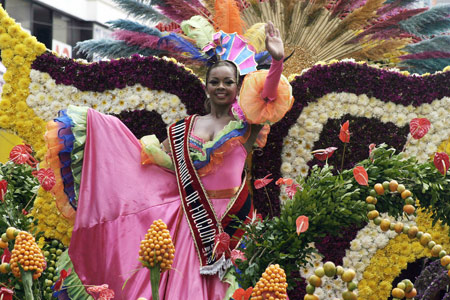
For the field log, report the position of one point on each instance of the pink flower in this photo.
(21, 154)
(260, 183)
(104, 293)
(324, 154)
(292, 189)
(222, 243)
(371, 147)
(418, 127)
(6, 256)
(286, 181)
(237, 254)
(441, 162)
(46, 178)
(6, 294)
(3, 189)
(344, 134)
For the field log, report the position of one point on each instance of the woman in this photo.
(120, 195)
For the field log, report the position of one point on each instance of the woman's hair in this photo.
(220, 63)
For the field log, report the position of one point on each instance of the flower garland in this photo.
(387, 263)
(19, 49)
(51, 223)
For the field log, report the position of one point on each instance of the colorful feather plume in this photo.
(422, 66)
(179, 44)
(427, 55)
(435, 44)
(428, 23)
(133, 26)
(107, 48)
(141, 10)
(392, 5)
(199, 29)
(377, 51)
(179, 10)
(390, 23)
(340, 6)
(142, 40)
(228, 17)
(256, 36)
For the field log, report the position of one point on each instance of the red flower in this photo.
(302, 223)
(6, 256)
(237, 254)
(59, 283)
(221, 243)
(3, 189)
(6, 294)
(441, 162)
(361, 175)
(240, 294)
(24, 212)
(291, 190)
(21, 154)
(260, 183)
(104, 293)
(324, 154)
(286, 181)
(46, 178)
(371, 147)
(344, 134)
(418, 127)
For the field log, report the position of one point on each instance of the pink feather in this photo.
(140, 39)
(427, 55)
(179, 10)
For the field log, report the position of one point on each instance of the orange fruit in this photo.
(425, 239)
(405, 194)
(379, 189)
(4, 268)
(315, 280)
(411, 294)
(409, 209)
(10, 233)
(398, 293)
(412, 232)
(373, 214)
(385, 224)
(347, 295)
(3, 244)
(401, 188)
(393, 185)
(348, 275)
(445, 260)
(371, 200)
(398, 227)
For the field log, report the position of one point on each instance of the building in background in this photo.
(60, 24)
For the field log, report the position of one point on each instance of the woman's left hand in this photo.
(274, 43)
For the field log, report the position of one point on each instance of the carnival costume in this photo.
(119, 185)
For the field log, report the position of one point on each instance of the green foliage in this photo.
(332, 202)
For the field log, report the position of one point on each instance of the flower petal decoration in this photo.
(418, 127)
(361, 175)
(6, 294)
(292, 189)
(441, 162)
(222, 243)
(262, 182)
(3, 189)
(46, 178)
(324, 154)
(237, 254)
(59, 283)
(6, 256)
(302, 223)
(21, 154)
(286, 181)
(241, 294)
(344, 134)
(104, 293)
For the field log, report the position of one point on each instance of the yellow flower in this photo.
(21, 106)
(21, 49)
(18, 60)
(7, 54)
(39, 48)
(30, 41)
(14, 29)
(5, 40)
(41, 242)
(5, 103)
(7, 88)
(447, 68)
(5, 121)
(7, 21)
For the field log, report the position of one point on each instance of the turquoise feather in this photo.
(112, 49)
(432, 21)
(134, 26)
(141, 10)
(439, 43)
(421, 66)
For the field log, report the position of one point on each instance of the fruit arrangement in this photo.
(157, 253)
(329, 269)
(272, 285)
(404, 289)
(52, 251)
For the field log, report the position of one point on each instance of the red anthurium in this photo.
(6, 256)
(324, 154)
(344, 134)
(361, 175)
(241, 294)
(46, 178)
(302, 223)
(237, 254)
(3, 189)
(221, 243)
(286, 181)
(260, 183)
(418, 127)
(6, 294)
(442, 162)
(104, 293)
(24, 212)
(21, 154)
(371, 147)
(59, 283)
(291, 190)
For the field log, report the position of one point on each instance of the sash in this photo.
(198, 210)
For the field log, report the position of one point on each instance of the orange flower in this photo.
(344, 134)
(286, 181)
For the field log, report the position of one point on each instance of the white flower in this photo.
(286, 167)
(31, 100)
(323, 118)
(306, 272)
(346, 262)
(368, 114)
(34, 87)
(378, 112)
(319, 293)
(151, 106)
(430, 148)
(116, 110)
(381, 241)
(401, 120)
(359, 267)
(363, 100)
(390, 107)
(41, 97)
(55, 106)
(294, 131)
(366, 241)
(174, 101)
(132, 101)
(385, 118)
(45, 77)
(355, 110)
(355, 245)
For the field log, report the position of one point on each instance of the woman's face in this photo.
(221, 85)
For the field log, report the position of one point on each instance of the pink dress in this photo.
(118, 201)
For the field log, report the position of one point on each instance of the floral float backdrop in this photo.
(150, 93)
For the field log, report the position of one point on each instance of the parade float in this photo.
(351, 189)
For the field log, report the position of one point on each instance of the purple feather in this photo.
(341, 6)
(140, 39)
(427, 55)
(179, 10)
